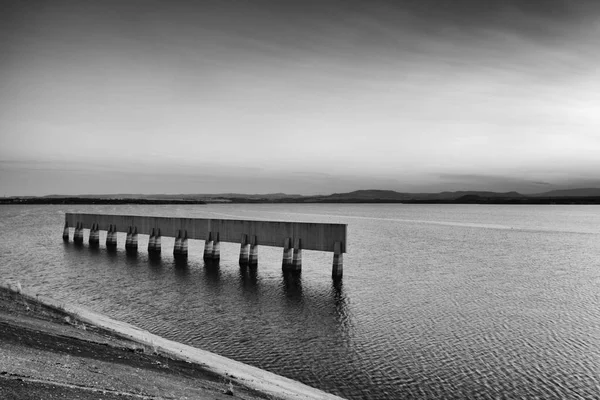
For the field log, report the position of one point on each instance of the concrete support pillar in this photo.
(180, 250)
(177, 245)
(216, 252)
(81, 232)
(76, 232)
(114, 236)
(66, 232)
(128, 239)
(152, 241)
(208, 247)
(297, 257)
(244, 250)
(253, 256)
(184, 245)
(78, 235)
(111, 237)
(94, 235)
(108, 236)
(338, 260)
(131, 241)
(134, 239)
(287, 254)
(157, 242)
(133, 244)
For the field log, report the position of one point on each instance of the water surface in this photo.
(437, 301)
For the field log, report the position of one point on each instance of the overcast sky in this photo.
(298, 96)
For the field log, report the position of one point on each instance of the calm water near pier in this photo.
(437, 301)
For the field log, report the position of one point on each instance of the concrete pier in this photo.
(152, 241)
(66, 232)
(155, 245)
(293, 236)
(216, 248)
(177, 245)
(180, 249)
(286, 264)
(297, 256)
(78, 235)
(338, 261)
(183, 253)
(157, 242)
(131, 243)
(108, 235)
(128, 238)
(253, 256)
(94, 239)
(111, 237)
(208, 247)
(244, 250)
(133, 246)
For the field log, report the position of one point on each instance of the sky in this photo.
(303, 97)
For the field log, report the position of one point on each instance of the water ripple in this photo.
(436, 302)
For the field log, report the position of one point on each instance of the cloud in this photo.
(383, 91)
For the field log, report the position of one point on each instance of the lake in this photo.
(437, 301)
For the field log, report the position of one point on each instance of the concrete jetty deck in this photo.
(293, 237)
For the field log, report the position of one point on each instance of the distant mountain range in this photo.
(357, 194)
(582, 195)
(390, 195)
(588, 192)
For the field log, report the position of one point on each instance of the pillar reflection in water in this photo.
(341, 304)
(249, 278)
(292, 285)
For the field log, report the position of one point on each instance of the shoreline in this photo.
(465, 200)
(20, 310)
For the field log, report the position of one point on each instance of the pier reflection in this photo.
(181, 268)
(340, 302)
(292, 285)
(131, 255)
(241, 312)
(212, 272)
(249, 278)
(155, 261)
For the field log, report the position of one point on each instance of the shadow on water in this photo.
(337, 286)
(341, 304)
(73, 246)
(212, 272)
(155, 262)
(249, 279)
(292, 285)
(133, 259)
(94, 250)
(181, 267)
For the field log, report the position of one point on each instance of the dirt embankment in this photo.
(47, 353)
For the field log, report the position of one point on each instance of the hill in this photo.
(584, 192)
(392, 196)
(568, 196)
